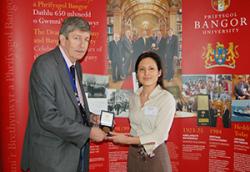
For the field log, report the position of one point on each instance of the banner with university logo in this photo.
(215, 58)
(215, 35)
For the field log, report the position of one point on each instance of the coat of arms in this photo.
(220, 5)
(220, 56)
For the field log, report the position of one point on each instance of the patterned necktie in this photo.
(83, 112)
(72, 71)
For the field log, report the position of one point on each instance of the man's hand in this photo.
(97, 135)
(95, 119)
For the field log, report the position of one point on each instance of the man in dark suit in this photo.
(160, 47)
(127, 51)
(141, 45)
(152, 39)
(213, 115)
(116, 58)
(172, 53)
(59, 125)
(226, 116)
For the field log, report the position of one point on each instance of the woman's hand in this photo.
(121, 138)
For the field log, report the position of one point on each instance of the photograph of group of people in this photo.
(125, 49)
(217, 89)
(118, 102)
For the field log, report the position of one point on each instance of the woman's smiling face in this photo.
(148, 72)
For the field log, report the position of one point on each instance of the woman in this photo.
(152, 110)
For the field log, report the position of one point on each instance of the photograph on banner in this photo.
(241, 110)
(95, 85)
(96, 105)
(135, 27)
(241, 98)
(206, 97)
(241, 85)
(118, 102)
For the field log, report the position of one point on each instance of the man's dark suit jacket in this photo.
(172, 48)
(116, 59)
(115, 51)
(55, 133)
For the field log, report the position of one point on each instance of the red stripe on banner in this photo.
(15, 67)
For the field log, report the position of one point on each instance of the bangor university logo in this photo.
(220, 5)
(220, 56)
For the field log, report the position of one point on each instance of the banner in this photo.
(29, 30)
(215, 51)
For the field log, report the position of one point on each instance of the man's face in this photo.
(75, 45)
(158, 33)
(241, 79)
(116, 37)
(170, 32)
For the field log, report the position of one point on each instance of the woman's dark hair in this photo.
(157, 59)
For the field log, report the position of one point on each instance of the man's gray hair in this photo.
(71, 24)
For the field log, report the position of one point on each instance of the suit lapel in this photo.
(64, 75)
(63, 72)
